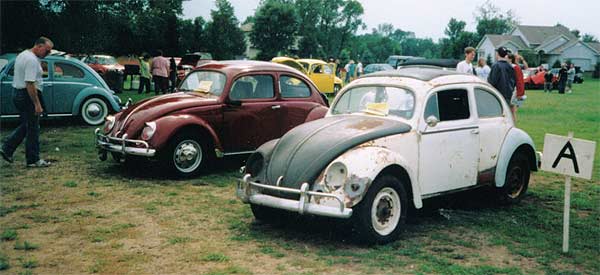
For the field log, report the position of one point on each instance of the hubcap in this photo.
(187, 156)
(386, 211)
(93, 110)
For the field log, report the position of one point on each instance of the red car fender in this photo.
(316, 113)
(168, 126)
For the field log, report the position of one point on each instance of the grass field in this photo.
(87, 216)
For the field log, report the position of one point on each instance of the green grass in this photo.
(127, 216)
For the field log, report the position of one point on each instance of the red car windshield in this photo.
(207, 82)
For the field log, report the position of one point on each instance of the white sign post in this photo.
(571, 157)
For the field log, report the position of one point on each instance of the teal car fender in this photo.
(361, 166)
(112, 100)
(516, 139)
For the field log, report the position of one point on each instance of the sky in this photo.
(429, 18)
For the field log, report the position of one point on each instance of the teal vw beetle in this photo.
(71, 88)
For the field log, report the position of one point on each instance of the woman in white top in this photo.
(482, 70)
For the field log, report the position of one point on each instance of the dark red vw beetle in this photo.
(221, 109)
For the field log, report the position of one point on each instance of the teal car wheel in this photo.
(93, 111)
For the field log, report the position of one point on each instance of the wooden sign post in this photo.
(570, 157)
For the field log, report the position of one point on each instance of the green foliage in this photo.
(531, 57)
(4, 265)
(589, 38)
(556, 64)
(493, 20)
(8, 235)
(215, 257)
(25, 246)
(458, 39)
(274, 29)
(226, 39)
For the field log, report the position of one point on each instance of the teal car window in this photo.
(67, 71)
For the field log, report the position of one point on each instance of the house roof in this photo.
(571, 43)
(499, 40)
(594, 45)
(537, 35)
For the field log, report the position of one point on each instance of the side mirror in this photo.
(432, 121)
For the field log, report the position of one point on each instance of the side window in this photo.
(67, 71)
(488, 105)
(292, 87)
(44, 64)
(252, 87)
(317, 69)
(448, 105)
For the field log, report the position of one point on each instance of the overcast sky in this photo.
(428, 18)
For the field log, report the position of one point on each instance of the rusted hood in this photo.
(302, 153)
(133, 118)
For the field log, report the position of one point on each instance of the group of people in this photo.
(161, 70)
(506, 75)
(352, 70)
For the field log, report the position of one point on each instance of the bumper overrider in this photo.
(250, 192)
(122, 145)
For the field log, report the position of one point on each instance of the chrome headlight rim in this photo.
(109, 124)
(148, 131)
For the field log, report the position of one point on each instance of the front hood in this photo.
(302, 153)
(134, 117)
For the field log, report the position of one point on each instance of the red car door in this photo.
(297, 101)
(252, 114)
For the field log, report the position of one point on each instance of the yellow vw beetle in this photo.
(320, 72)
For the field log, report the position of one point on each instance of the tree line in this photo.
(304, 28)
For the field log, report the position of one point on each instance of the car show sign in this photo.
(571, 157)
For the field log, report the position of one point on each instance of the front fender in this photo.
(168, 126)
(97, 92)
(364, 164)
(513, 140)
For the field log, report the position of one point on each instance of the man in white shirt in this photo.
(465, 66)
(27, 85)
(359, 69)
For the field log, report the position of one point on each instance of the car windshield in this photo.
(107, 60)
(376, 100)
(207, 82)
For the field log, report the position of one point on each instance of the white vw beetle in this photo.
(390, 140)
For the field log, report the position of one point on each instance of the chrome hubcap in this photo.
(94, 109)
(187, 156)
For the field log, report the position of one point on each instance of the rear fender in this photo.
(516, 139)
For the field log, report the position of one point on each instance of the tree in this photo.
(226, 38)
(458, 39)
(493, 20)
(589, 38)
(274, 29)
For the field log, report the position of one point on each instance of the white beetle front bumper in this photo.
(249, 192)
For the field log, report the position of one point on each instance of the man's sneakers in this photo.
(38, 164)
(6, 157)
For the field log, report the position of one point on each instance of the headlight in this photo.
(335, 176)
(109, 123)
(149, 130)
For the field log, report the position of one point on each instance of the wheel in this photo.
(517, 180)
(379, 217)
(336, 89)
(269, 215)
(93, 111)
(187, 154)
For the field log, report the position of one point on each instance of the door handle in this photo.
(475, 131)
(275, 107)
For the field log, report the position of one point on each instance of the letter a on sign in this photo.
(568, 156)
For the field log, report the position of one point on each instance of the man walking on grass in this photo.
(27, 84)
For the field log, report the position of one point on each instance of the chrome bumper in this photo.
(103, 143)
(249, 192)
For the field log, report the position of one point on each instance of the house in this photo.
(548, 43)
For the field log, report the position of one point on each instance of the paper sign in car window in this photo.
(379, 109)
(204, 86)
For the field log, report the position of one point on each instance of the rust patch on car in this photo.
(365, 124)
(355, 189)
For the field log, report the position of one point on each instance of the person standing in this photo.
(359, 69)
(144, 74)
(570, 78)
(548, 76)
(519, 86)
(160, 73)
(562, 78)
(466, 65)
(27, 85)
(482, 70)
(350, 71)
(502, 75)
(173, 73)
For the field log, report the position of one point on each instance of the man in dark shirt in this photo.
(502, 75)
(562, 78)
(548, 81)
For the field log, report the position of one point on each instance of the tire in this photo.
(517, 180)
(93, 111)
(269, 215)
(379, 217)
(187, 154)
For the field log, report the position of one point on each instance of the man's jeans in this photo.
(29, 128)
